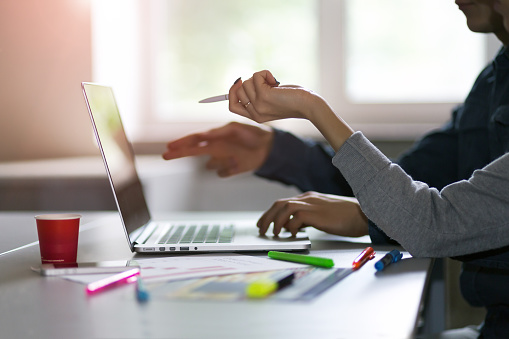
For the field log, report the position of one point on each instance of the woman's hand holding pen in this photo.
(256, 99)
(261, 99)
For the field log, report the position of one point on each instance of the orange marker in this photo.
(366, 255)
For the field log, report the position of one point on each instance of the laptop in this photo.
(145, 235)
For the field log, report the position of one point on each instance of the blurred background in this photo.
(392, 69)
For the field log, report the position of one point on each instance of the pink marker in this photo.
(123, 277)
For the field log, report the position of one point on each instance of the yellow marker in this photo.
(261, 288)
(264, 287)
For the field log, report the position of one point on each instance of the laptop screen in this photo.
(118, 157)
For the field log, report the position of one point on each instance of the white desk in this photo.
(364, 305)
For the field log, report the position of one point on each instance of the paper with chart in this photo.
(309, 283)
(203, 265)
(172, 268)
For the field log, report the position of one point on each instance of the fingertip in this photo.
(167, 155)
(233, 166)
(266, 77)
(261, 228)
(294, 233)
(232, 95)
(275, 83)
(223, 173)
(260, 231)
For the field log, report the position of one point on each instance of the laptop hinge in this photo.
(145, 233)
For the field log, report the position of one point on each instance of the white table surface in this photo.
(366, 304)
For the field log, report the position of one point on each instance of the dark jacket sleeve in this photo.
(305, 164)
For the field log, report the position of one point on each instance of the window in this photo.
(391, 68)
(402, 62)
(218, 41)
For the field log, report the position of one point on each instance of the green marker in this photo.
(303, 259)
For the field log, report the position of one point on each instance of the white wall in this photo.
(45, 53)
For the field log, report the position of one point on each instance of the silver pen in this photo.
(215, 99)
(225, 96)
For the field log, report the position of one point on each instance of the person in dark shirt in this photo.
(477, 133)
(467, 142)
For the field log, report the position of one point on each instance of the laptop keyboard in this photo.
(198, 234)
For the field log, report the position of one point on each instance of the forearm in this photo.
(465, 217)
(335, 130)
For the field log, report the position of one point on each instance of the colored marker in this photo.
(365, 255)
(391, 257)
(123, 277)
(141, 292)
(301, 258)
(264, 287)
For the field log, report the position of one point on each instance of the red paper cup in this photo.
(58, 237)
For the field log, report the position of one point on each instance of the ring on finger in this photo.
(248, 103)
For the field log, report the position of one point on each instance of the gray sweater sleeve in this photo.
(463, 218)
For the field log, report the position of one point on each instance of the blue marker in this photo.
(389, 258)
(141, 292)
